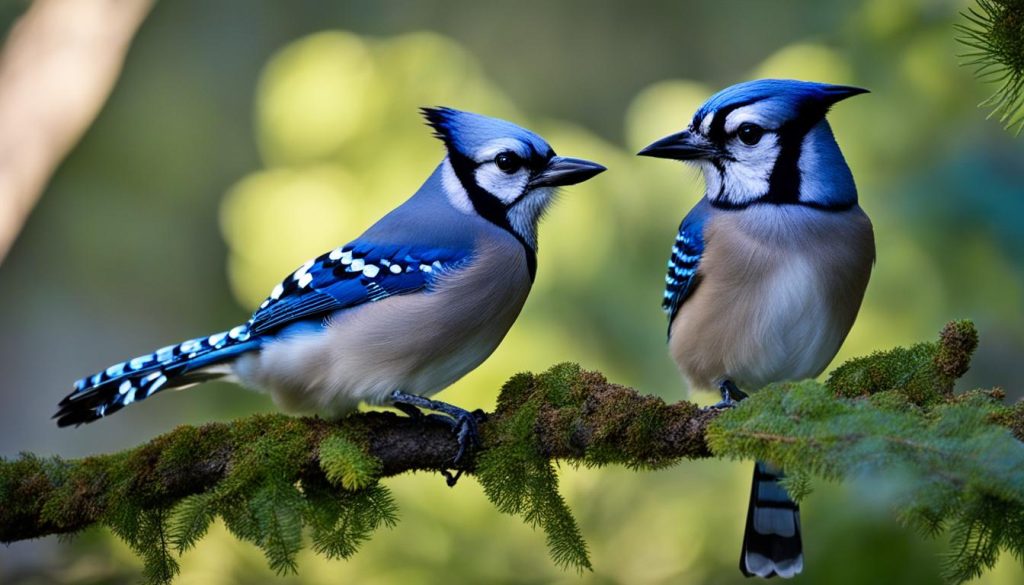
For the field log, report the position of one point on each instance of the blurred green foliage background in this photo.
(246, 136)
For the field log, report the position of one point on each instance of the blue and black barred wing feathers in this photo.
(348, 276)
(683, 265)
(174, 366)
(340, 279)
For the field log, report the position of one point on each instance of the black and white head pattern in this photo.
(489, 169)
(768, 141)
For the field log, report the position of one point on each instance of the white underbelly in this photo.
(769, 313)
(332, 372)
(778, 327)
(792, 333)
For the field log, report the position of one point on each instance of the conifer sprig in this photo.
(993, 33)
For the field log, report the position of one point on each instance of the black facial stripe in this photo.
(487, 205)
(730, 206)
(720, 167)
(784, 183)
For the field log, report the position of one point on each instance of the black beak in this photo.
(562, 171)
(684, 145)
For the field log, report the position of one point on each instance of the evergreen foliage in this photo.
(516, 474)
(994, 33)
(346, 463)
(894, 415)
(268, 495)
(957, 459)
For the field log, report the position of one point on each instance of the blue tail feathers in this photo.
(173, 366)
(772, 545)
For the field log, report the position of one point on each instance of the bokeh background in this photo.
(245, 136)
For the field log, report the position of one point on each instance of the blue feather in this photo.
(351, 275)
(467, 132)
(683, 265)
(361, 272)
(790, 96)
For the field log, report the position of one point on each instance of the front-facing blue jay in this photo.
(769, 269)
(416, 302)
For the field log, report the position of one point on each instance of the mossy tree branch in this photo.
(273, 478)
(56, 496)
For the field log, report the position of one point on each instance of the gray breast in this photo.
(780, 288)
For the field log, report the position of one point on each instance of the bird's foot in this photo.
(464, 424)
(731, 396)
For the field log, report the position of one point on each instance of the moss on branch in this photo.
(269, 476)
(275, 480)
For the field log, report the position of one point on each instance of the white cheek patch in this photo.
(747, 177)
(502, 185)
(453, 188)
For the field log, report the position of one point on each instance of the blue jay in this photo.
(412, 305)
(769, 269)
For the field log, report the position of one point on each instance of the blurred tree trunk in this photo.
(57, 67)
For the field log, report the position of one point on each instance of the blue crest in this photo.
(467, 132)
(789, 97)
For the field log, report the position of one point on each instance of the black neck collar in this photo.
(488, 206)
(768, 200)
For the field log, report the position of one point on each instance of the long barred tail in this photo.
(771, 542)
(174, 366)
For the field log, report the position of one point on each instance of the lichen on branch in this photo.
(275, 480)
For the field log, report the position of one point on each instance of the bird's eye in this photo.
(508, 162)
(750, 134)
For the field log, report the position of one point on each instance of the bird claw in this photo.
(409, 410)
(464, 424)
(731, 396)
(722, 405)
(468, 433)
(451, 478)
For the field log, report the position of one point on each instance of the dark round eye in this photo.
(750, 134)
(508, 162)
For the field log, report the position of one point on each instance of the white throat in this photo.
(527, 213)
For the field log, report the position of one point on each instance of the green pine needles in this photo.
(956, 458)
(518, 477)
(994, 33)
(268, 493)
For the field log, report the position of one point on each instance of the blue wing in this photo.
(683, 265)
(351, 275)
(345, 277)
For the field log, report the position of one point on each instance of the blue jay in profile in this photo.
(769, 268)
(420, 299)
